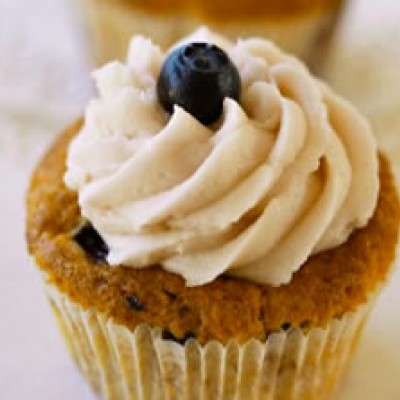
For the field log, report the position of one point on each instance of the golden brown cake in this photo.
(302, 27)
(231, 255)
(328, 286)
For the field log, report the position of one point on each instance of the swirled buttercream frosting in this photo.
(288, 171)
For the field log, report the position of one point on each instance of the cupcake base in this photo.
(112, 25)
(121, 364)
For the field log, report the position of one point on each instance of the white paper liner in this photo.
(112, 25)
(121, 364)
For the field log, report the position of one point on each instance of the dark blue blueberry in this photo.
(168, 335)
(286, 326)
(135, 303)
(90, 241)
(198, 77)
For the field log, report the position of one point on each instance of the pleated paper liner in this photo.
(121, 364)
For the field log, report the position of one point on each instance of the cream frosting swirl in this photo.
(290, 171)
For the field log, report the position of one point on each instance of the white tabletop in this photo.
(44, 85)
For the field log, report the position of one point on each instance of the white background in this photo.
(44, 85)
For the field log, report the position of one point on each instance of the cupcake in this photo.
(218, 225)
(302, 27)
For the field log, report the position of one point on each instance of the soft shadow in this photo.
(375, 370)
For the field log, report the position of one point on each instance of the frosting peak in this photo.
(290, 171)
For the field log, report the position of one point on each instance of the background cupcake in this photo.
(300, 27)
(283, 327)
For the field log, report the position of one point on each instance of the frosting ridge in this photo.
(290, 171)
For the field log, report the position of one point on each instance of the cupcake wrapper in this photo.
(112, 25)
(121, 364)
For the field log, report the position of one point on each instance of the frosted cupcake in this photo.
(218, 226)
(302, 27)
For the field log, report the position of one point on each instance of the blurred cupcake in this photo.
(224, 227)
(302, 27)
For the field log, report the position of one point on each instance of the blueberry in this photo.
(286, 326)
(90, 241)
(135, 303)
(168, 335)
(198, 77)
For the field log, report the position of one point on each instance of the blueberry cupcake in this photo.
(302, 27)
(217, 226)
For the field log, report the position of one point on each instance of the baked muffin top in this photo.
(218, 9)
(219, 191)
(328, 285)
